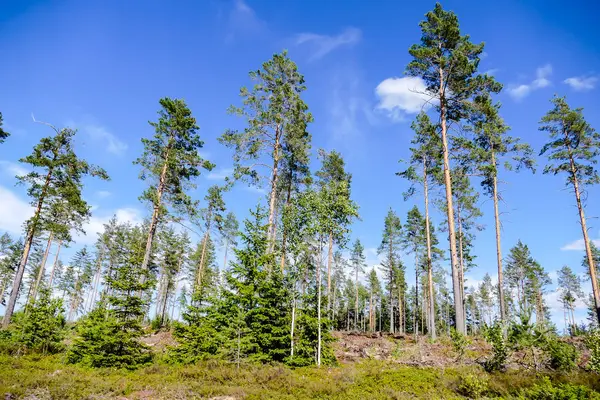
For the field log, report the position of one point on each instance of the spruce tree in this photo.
(413, 241)
(229, 234)
(448, 62)
(171, 162)
(573, 149)
(213, 216)
(109, 335)
(56, 177)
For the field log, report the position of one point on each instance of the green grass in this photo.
(49, 378)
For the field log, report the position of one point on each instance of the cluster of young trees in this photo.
(294, 277)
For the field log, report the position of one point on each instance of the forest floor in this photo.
(370, 367)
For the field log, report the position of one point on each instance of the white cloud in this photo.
(325, 44)
(401, 96)
(13, 212)
(101, 134)
(541, 80)
(103, 193)
(220, 174)
(242, 21)
(492, 71)
(255, 189)
(578, 245)
(582, 83)
(12, 169)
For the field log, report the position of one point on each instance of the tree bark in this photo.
(40, 274)
(461, 259)
(458, 301)
(498, 247)
(155, 212)
(415, 317)
(319, 305)
(391, 262)
(356, 300)
(12, 300)
(200, 275)
(273, 195)
(429, 260)
(329, 262)
(55, 264)
(588, 248)
(225, 256)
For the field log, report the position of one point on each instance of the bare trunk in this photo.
(319, 305)
(415, 317)
(329, 262)
(588, 249)
(498, 248)
(284, 239)
(54, 265)
(292, 327)
(225, 256)
(371, 325)
(271, 233)
(458, 301)
(401, 311)
(429, 261)
(356, 301)
(461, 258)
(200, 274)
(40, 274)
(155, 213)
(97, 277)
(390, 260)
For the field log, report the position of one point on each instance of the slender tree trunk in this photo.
(225, 256)
(429, 260)
(588, 248)
(391, 266)
(284, 238)
(293, 326)
(273, 195)
(415, 317)
(498, 247)
(40, 274)
(156, 211)
(319, 266)
(401, 312)
(458, 301)
(356, 300)
(329, 262)
(200, 275)
(371, 312)
(53, 265)
(97, 276)
(461, 258)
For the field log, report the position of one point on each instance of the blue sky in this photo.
(102, 66)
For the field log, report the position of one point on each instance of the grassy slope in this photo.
(49, 378)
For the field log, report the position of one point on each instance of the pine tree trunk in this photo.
(156, 211)
(225, 256)
(390, 260)
(429, 260)
(498, 248)
(401, 312)
(458, 301)
(319, 266)
(415, 317)
(284, 239)
(461, 258)
(588, 248)
(356, 300)
(292, 327)
(40, 274)
(371, 312)
(200, 275)
(53, 265)
(329, 262)
(12, 301)
(273, 195)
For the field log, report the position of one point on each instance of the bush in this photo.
(40, 329)
(495, 336)
(563, 356)
(459, 343)
(472, 386)
(592, 342)
(547, 391)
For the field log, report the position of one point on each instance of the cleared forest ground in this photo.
(370, 367)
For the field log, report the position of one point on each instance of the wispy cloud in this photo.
(578, 245)
(12, 169)
(242, 21)
(321, 45)
(401, 96)
(518, 92)
(99, 134)
(219, 175)
(582, 83)
(14, 212)
(103, 194)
